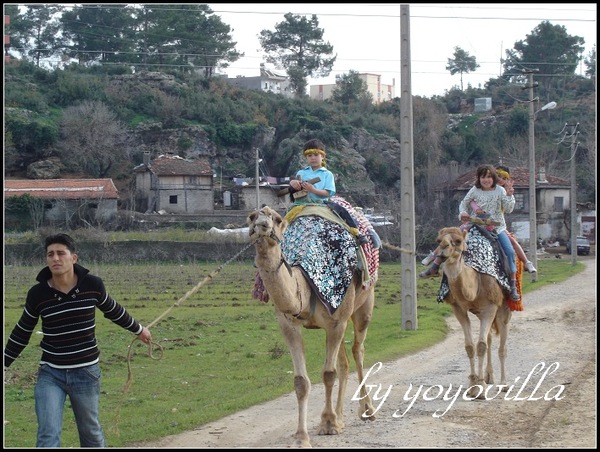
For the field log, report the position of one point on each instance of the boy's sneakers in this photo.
(431, 272)
(529, 267)
(362, 239)
(429, 259)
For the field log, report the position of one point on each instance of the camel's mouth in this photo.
(262, 230)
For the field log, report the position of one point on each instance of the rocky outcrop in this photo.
(44, 169)
(189, 142)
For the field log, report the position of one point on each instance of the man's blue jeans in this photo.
(82, 385)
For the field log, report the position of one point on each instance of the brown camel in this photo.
(291, 295)
(483, 296)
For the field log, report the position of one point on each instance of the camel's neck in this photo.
(282, 282)
(268, 256)
(453, 268)
(461, 279)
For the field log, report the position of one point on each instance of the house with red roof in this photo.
(66, 201)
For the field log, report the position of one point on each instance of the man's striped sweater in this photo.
(68, 321)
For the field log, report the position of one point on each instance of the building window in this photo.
(173, 199)
(519, 201)
(559, 204)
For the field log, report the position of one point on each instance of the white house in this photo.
(267, 81)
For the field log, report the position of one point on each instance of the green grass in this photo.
(222, 351)
(173, 234)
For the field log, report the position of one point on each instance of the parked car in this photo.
(583, 246)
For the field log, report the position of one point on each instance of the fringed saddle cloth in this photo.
(486, 257)
(320, 244)
(371, 252)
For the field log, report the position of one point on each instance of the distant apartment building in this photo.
(267, 81)
(379, 91)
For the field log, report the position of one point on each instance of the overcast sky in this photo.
(366, 37)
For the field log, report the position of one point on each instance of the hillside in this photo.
(80, 123)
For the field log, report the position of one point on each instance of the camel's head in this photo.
(266, 222)
(452, 242)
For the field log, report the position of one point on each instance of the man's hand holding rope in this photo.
(145, 336)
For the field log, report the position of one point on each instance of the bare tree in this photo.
(36, 211)
(92, 139)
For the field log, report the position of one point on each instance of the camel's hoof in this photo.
(367, 416)
(328, 432)
(329, 429)
(367, 412)
(302, 441)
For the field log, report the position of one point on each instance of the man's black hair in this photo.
(63, 239)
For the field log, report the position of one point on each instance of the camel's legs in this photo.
(333, 341)
(361, 320)
(293, 337)
(489, 369)
(486, 319)
(502, 320)
(475, 377)
(463, 318)
(343, 370)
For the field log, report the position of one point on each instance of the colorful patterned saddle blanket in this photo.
(322, 246)
(325, 252)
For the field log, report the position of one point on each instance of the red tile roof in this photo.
(173, 165)
(62, 188)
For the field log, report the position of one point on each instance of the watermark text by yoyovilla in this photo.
(514, 392)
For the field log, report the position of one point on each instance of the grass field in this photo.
(217, 353)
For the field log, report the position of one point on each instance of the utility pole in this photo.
(256, 180)
(573, 197)
(407, 180)
(532, 171)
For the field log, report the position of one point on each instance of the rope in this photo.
(389, 246)
(152, 345)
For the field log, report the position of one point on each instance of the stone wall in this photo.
(142, 251)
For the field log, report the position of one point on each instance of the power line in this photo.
(232, 68)
(391, 16)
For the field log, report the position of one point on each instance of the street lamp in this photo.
(532, 174)
(548, 106)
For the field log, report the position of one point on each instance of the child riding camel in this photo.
(304, 192)
(492, 201)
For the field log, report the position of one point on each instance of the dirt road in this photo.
(551, 355)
